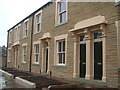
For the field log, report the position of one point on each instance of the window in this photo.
(25, 32)
(38, 23)
(97, 35)
(36, 53)
(10, 36)
(83, 38)
(24, 54)
(61, 52)
(61, 11)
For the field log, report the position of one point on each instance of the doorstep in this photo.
(93, 82)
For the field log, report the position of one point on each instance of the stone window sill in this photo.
(35, 64)
(57, 25)
(25, 37)
(36, 33)
(59, 66)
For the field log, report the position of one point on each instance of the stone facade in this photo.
(77, 13)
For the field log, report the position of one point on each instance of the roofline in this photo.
(48, 3)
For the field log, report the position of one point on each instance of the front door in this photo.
(98, 60)
(46, 58)
(82, 60)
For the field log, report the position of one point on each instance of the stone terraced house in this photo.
(71, 40)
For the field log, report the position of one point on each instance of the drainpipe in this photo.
(31, 43)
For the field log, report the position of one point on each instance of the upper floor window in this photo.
(10, 36)
(38, 20)
(61, 14)
(38, 23)
(25, 31)
(17, 33)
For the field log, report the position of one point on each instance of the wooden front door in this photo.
(82, 60)
(46, 58)
(98, 60)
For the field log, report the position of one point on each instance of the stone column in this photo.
(104, 52)
(89, 56)
(75, 71)
(43, 58)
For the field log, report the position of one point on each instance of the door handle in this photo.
(99, 63)
(84, 63)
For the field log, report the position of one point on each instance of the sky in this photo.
(13, 11)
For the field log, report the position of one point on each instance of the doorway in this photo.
(82, 60)
(46, 57)
(98, 60)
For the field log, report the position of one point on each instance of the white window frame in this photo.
(57, 15)
(24, 54)
(35, 28)
(36, 46)
(34, 49)
(56, 40)
(62, 52)
(25, 29)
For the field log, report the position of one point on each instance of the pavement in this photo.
(49, 81)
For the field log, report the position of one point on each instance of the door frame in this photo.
(43, 66)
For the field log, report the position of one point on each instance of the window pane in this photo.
(63, 6)
(37, 48)
(24, 58)
(83, 38)
(38, 27)
(63, 17)
(63, 58)
(97, 35)
(63, 45)
(25, 32)
(24, 50)
(26, 25)
(59, 45)
(36, 58)
(60, 57)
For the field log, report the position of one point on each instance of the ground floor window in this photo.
(36, 53)
(24, 54)
(61, 52)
